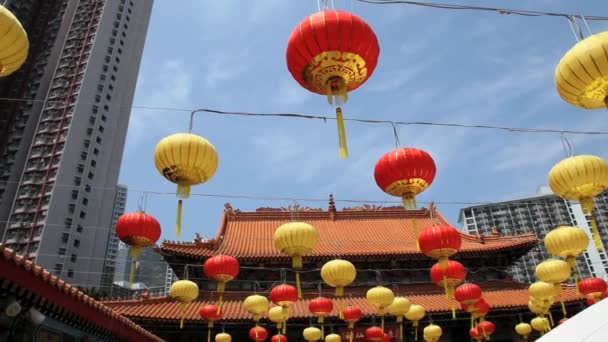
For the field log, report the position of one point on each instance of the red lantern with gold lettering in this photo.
(332, 52)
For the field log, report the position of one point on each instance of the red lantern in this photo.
(590, 301)
(374, 334)
(449, 277)
(320, 307)
(258, 334)
(351, 314)
(480, 309)
(332, 52)
(211, 313)
(475, 334)
(592, 287)
(486, 328)
(284, 295)
(138, 230)
(440, 242)
(468, 294)
(222, 269)
(279, 338)
(386, 338)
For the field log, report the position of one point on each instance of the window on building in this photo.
(95, 151)
(61, 251)
(70, 273)
(58, 268)
(76, 243)
(93, 163)
(87, 188)
(71, 208)
(65, 237)
(95, 109)
(74, 194)
(97, 98)
(77, 181)
(100, 128)
(90, 175)
(79, 228)
(98, 139)
(103, 118)
(83, 214)
(85, 201)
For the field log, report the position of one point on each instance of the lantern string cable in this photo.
(504, 11)
(361, 120)
(566, 144)
(288, 199)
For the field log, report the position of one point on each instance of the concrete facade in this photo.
(62, 157)
(109, 268)
(540, 214)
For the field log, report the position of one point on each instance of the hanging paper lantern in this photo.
(258, 334)
(374, 334)
(450, 277)
(338, 273)
(185, 292)
(581, 178)
(592, 287)
(312, 334)
(540, 324)
(553, 271)
(296, 239)
(380, 298)
(223, 337)
(542, 290)
(256, 305)
(567, 242)
(222, 269)
(210, 313)
(399, 308)
(486, 328)
(351, 314)
(332, 52)
(475, 334)
(185, 159)
(386, 338)
(279, 316)
(580, 76)
(523, 329)
(333, 338)
(320, 307)
(284, 295)
(14, 43)
(432, 333)
(138, 230)
(480, 309)
(440, 242)
(279, 338)
(468, 294)
(415, 314)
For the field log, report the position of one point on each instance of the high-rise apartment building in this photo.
(540, 215)
(109, 267)
(61, 157)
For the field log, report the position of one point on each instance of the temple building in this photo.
(378, 240)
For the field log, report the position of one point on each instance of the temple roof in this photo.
(51, 294)
(363, 231)
(498, 294)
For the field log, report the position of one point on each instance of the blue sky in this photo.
(435, 65)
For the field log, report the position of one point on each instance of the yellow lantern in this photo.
(256, 305)
(185, 159)
(541, 290)
(432, 333)
(540, 324)
(223, 337)
(380, 298)
(553, 271)
(312, 334)
(523, 329)
(567, 242)
(338, 273)
(279, 316)
(14, 44)
(296, 239)
(537, 308)
(581, 77)
(581, 178)
(333, 338)
(415, 314)
(399, 308)
(185, 292)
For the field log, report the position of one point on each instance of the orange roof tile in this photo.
(39, 281)
(364, 231)
(500, 295)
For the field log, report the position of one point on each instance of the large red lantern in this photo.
(592, 287)
(486, 328)
(284, 295)
(222, 269)
(321, 307)
(351, 314)
(405, 172)
(258, 334)
(440, 242)
(138, 230)
(374, 334)
(468, 294)
(332, 52)
(210, 313)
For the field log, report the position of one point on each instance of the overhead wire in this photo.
(503, 11)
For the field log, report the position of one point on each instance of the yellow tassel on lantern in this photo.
(341, 134)
(132, 273)
(178, 223)
(182, 309)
